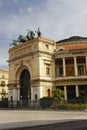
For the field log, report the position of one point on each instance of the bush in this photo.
(69, 106)
(58, 94)
(83, 106)
(73, 106)
(46, 102)
(57, 105)
(4, 103)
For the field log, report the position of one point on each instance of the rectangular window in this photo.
(60, 71)
(3, 76)
(47, 70)
(3, 83)
(80, 70)
(3, 91)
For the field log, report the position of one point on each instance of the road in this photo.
(73, 125)
(25, 118)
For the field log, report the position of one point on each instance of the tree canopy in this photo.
(58, 94)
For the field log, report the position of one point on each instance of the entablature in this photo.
(71, 53)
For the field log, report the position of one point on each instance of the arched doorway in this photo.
(25, 89)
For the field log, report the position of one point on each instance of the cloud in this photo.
(57, 20)
(29, 9)
(67, 18)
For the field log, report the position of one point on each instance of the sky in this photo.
(57, 20)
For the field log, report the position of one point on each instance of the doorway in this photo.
(25, 89)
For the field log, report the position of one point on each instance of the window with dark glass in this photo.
(81, 70)
(3, 91)
(2, 83)
(60, 71)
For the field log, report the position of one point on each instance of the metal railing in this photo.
(37, 104)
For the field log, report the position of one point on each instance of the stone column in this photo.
(18, 92)
(64, 67)
(10, 94)
(65, 93)
(32, 93)
(40, 92)
(77, 91)
(75, 66)
(86, 63)
(15, 94)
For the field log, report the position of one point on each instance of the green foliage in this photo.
(58, 94)
(58, 106)
(46, 102)
(47, 98)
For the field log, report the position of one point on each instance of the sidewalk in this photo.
(20, 118)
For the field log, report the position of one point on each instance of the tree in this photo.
(58, 94)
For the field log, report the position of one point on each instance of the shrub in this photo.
(69, 106)
(58, 94)
(73, 106)
(56, 106)
(46, 102)
(83, 106)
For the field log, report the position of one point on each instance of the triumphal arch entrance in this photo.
(31, 69)
(25, 89)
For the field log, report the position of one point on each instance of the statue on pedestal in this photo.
(38, 32)
(14, 43)
(22, 39)
(30, 35)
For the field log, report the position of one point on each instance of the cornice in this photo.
(42, 80)
(31, 42)
(72, 52)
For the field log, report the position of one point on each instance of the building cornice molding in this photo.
(70, 43)
(80, 52)
(42, 80)
(42, 39)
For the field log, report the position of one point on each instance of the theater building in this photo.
(39, 65)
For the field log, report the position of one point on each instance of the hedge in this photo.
(69, 106)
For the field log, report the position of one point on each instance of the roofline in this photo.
(72, 39)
